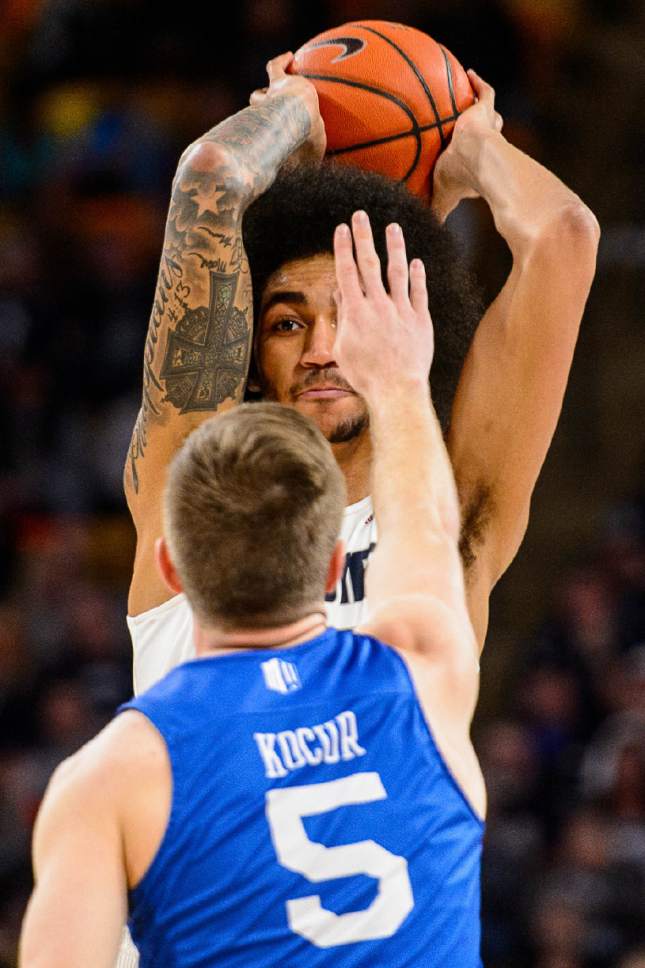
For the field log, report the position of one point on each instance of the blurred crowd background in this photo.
(97, 100)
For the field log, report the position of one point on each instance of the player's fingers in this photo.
(337, 296)
(258, 96)
(369, 264)
(349, 287)
(277, 66)
(483, 90)
(418, 287)
(397, 265)
(499, 121)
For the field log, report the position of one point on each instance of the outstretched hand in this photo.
(384, 341)
(455, 173)
(282, 84)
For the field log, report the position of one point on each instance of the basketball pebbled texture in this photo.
(389, 96)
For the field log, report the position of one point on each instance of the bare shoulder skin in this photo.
(511, 389)
(99, 827)
(199, 340)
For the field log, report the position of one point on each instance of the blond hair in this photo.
(252, 510)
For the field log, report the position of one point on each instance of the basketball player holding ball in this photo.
(389, 96)
(497, 382)
(498, 409)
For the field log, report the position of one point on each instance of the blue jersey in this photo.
(313, 821)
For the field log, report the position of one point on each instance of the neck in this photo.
(211, 640)
(354, 457)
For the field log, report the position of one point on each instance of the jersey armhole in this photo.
(433, 742)
(139, 891)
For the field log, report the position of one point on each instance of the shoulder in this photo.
(101, 772)
(423, 624)
(127, 741)
(434, 640)
(131, 749)
(80, 796)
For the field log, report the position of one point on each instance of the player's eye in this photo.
(286, 325)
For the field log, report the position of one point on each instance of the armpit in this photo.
(476, 515)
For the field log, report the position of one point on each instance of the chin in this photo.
(338, 420)
(339, 428)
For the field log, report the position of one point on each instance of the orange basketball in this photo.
(389, 96)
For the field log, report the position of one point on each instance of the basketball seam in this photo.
(387, 139)
(415, 130)
(451, 88)
(417, 73)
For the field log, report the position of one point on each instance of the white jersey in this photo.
(162, 637)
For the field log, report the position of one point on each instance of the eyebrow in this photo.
(285, 295)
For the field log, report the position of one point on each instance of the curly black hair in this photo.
(296, 219)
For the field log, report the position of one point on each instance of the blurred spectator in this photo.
(514, 839)
(605, 895)
(557, 933)
(17, 670)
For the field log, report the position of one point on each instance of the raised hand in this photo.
(456, 171)
(282, 84)
(385, 340)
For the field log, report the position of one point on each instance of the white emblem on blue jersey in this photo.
(281, 676)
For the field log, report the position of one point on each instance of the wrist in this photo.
(522, 195)
(250, 147)
(478, 150)
(407, 396)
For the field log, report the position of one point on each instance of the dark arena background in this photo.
(97, 100)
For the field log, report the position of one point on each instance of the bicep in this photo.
(511, 390)
(79, 904)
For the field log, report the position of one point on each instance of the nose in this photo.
(319, 343)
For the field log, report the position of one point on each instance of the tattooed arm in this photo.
(198, 346)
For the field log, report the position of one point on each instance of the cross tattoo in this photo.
(206, 355)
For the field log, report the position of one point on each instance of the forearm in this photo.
(258, 140)
(526, 200)
(415, 501)
(411, 471)
(199, 338)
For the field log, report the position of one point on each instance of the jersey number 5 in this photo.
(306, 915)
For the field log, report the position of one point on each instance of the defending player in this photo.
(200, 339)
(281, 800)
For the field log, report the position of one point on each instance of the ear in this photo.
(336, 567)
(166, 568)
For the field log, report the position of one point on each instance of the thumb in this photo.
(277, 66)
(258, 96)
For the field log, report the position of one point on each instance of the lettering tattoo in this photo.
(200, 334)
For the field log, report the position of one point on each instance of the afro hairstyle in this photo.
(296, 219)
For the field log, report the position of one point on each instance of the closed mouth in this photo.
(330, 392)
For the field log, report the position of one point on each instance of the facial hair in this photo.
(348, 429)
(345, 430)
